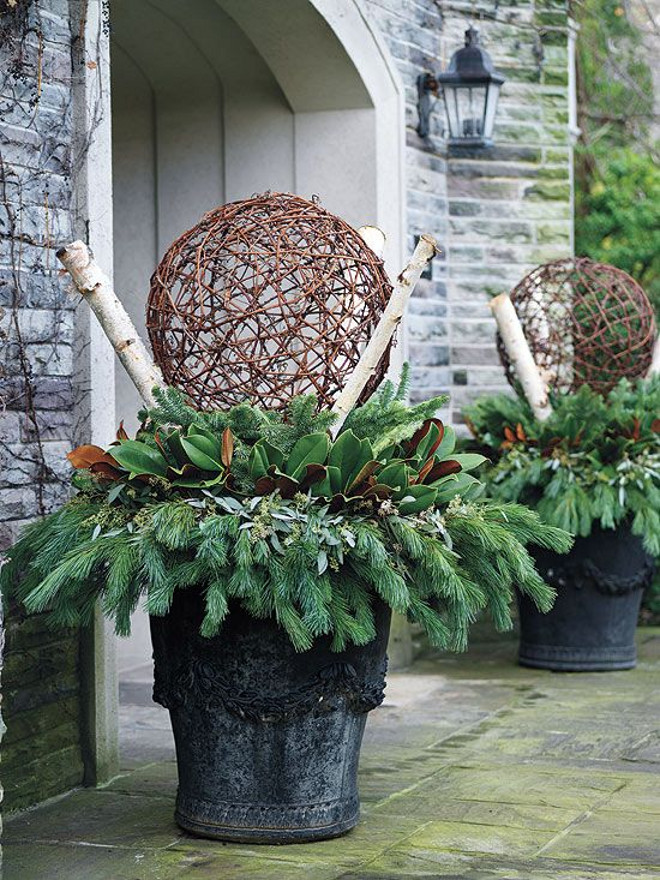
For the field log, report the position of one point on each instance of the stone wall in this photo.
(497, 212)
(41, 752)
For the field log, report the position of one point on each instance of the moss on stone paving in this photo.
(474, 768)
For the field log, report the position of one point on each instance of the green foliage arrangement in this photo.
(268, 511)
(594, 460)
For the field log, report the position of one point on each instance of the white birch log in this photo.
(654, 369)
(95, 287)
(534, 388)
(375, 238)
(390, 319)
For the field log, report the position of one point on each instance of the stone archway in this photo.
(213, 100)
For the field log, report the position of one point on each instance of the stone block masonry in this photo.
(41, 750)
(497, 212)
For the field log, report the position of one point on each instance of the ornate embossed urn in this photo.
(267, 739)
(591, 627)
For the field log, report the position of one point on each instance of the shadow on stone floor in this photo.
(472, 768)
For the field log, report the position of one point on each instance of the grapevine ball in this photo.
(264, 299)
(585, 323)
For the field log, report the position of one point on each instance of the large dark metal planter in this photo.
(591, 627)
(267, 739)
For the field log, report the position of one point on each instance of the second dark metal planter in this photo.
(267, 739)
(599, 590)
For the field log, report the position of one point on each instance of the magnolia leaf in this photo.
(346, 455)
(394, 474)
(84, 456)
(447, 445)
(329, 485)
(188, 471)
(310, 449)
(227, 447)
(106, 471)
(197, 430)
(379, 490)
(264, 456)
(322, 561)
(172, 448)
(415, 499)
(335, 480)
(385, 454)
(314, 473)
(367, 455)
(363, 474)
(202, 452)
(455, 484)
(287, 486)
(427, 439)
(138, 458)
(425, 471)
(469, 460)
(264, 485)
(198, 482)
(258, 461)
(160, 443)
(441, 469)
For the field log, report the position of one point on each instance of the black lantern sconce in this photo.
(470, 89)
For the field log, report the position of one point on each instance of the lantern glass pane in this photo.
(490, 108)
(451, 106)
(466, 113)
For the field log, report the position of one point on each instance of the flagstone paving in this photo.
(473, 768)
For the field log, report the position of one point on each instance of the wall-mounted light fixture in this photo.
(470, 88)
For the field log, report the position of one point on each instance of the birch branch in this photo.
(95, 287)
(654, 369)
(390, 319)
(534, 388)
(373, 237)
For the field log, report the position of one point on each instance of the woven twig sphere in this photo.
(585, 323)
(264, 299)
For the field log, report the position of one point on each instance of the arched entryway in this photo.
(213, 100)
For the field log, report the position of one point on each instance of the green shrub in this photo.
(619, 218)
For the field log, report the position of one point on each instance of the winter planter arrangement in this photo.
(583, 450)
(270, 544)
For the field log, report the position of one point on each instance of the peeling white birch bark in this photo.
(390, 319)
(654, 369)
(510, 328)
(95, 287)
(374, 237)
